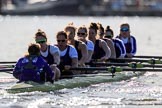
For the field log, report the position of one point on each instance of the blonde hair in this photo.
(70, 25)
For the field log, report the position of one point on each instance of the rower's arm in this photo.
(17, 70)
(134, 46)
(84, 52)
(90, 53)
(123, 49)
(74, 62)
(106, 50)
(50, 75)
(112, 48)
(54, 50)
(56, 57)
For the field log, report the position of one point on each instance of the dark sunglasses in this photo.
(124, 29)
(60, 40)
(41, 41)
(81, 34)
(108, 36)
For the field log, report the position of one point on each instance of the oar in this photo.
(7, 66)
(84, 75)
(114, 69)
(8, 62)
(7, 70)
(151, 61)
(132, 64)
(142, 56)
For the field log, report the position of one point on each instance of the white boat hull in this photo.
(72, 83)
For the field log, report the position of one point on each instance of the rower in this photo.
(108, 41)
(79, 45)
(101, 50)
(82, 36)
(49, 52)
(68, 54)
(31, 67)
(128, 40)
(118, 44)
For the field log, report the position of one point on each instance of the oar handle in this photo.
(8, 62)
(7, 66)
(6, 70)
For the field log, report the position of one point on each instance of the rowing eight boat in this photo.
(87, 79)
(76, 81)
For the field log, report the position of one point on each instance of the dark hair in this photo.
(93, 26)
(61, 33)
(125, 24)
(84, 28)
(34, 49)
(100, 27)
(41, 33)
(110, 30)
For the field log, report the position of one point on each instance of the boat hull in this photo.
(84, 81)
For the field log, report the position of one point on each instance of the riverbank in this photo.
(81, 8)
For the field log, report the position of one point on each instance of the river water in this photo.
(144, 91)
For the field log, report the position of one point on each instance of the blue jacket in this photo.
(31, 68)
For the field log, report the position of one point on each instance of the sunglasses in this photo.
(81, 34)
(60, 40)
(41, 41)
(108, 36)
(124, 29)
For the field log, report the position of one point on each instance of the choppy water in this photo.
(144, 91)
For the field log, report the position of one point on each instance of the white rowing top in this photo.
(72, 52)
